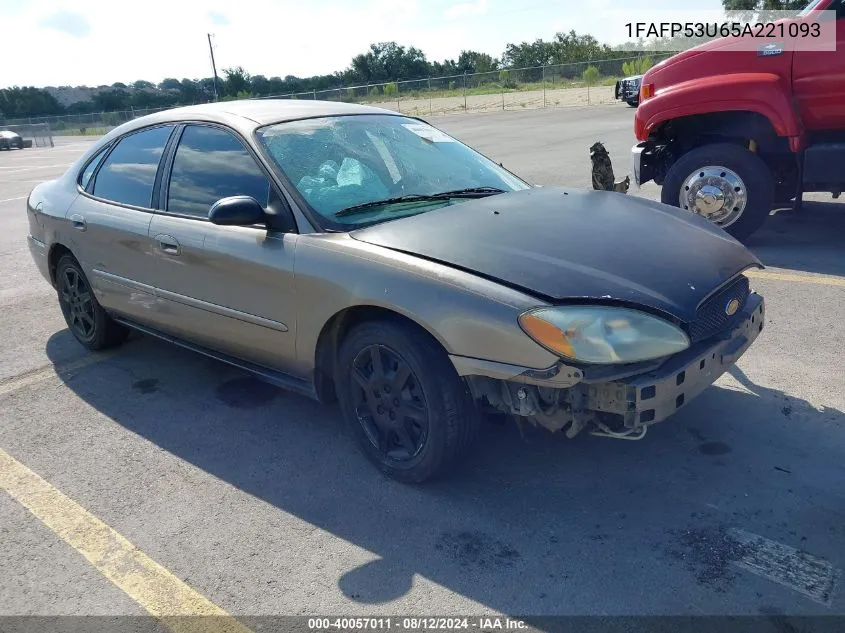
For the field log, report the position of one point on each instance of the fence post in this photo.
(465, 91)
(502, 86)
(315, 93)
(429, 96)
(544, 85)
(398, 107)
(588, 84)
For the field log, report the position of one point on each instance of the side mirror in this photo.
(236, 211)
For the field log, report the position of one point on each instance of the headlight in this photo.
(603, 335)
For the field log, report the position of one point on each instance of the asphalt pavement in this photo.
(259, 502)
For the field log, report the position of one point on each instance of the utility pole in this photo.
(213, 68)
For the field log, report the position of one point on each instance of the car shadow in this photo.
(811, 240)
(532, 522)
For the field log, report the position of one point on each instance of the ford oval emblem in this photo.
(732, 307)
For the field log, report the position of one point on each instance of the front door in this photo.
(818, 81)
(230, 288)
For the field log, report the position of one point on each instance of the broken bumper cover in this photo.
(649, 398)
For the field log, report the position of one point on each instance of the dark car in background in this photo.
(9, 139)
(628, 90)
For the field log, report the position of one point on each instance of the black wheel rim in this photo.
(77, 303)
(389, 403)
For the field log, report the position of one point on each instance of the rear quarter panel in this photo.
(47, 208)
(469, 315)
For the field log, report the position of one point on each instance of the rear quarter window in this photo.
(91, 167)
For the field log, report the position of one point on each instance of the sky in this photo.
(97, 42)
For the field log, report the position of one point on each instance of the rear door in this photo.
(109, 221)
(818, 81)
(229, 288)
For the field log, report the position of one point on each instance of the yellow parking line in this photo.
(827, 280)
(152, 586)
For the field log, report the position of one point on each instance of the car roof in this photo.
(248, 114)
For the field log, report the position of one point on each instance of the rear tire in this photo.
(410, 412)
(85, 317)
(759, 184)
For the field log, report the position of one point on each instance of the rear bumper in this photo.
(649, 398)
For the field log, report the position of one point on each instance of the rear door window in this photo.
(128, 174)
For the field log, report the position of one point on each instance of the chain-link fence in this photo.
(560, 85)
(37, 134)
(89, 123)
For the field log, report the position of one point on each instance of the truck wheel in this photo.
(406, 405)
(727, 184)
(633, 103)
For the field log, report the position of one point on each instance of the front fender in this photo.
(762, 93)
(470, 316)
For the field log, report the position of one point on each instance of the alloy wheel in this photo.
(77, 303)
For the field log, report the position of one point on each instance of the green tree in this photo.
(28, 101)
(107, 100)
(637, 66)
(537, 53)
(764, 5)
(189, 91)
(388, 61)
(259, 85)
(475, 62)
(237, 81)
(590, 75)
(568, 48)
(275, 86)
(756, 9)
(170, 84)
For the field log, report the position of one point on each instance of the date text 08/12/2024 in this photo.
(415, 624)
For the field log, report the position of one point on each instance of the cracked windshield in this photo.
(357, 170)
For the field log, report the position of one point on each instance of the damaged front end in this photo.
(618, 401)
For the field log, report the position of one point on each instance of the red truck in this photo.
(729, 134)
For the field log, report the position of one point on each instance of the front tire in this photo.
(726, 183)
(410, 412)
(85, 317)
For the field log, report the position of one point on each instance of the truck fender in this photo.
(762, 93)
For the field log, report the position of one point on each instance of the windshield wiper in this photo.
(470, 192)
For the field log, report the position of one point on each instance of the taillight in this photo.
(646, 91)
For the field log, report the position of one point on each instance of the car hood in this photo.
(562, 244)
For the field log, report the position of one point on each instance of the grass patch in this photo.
(84, 131)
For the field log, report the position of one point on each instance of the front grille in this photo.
(711, 317)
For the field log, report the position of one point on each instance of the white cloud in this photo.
(217, 18)
(268, 37)
(466, 10)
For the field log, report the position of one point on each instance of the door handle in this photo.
(78, 222)
(168, 244)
